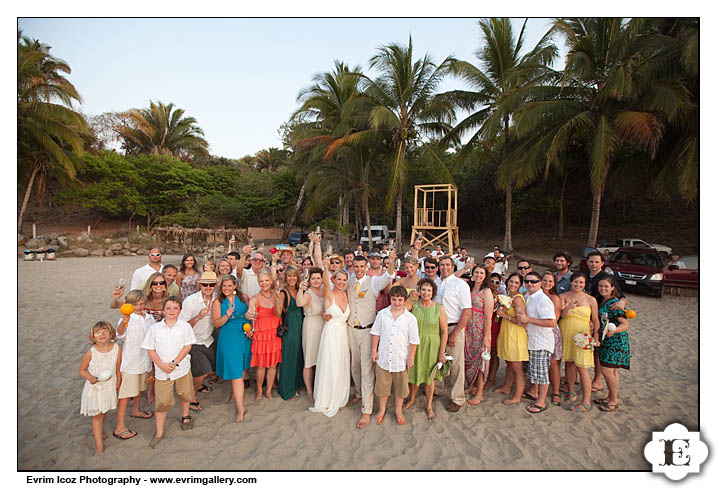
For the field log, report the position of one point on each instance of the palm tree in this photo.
(610, 98)
(504, 81)
(50, 133)
(162, 130)
(405, 108)
(270, 160)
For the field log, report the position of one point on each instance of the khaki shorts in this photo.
(164, 398)
(132, 385)
(384, 380)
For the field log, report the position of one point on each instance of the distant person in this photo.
(359, 251)
(187, 276)
(562, 261)
(140, 276)
(501, 261)
(439, 252)
(675, 260)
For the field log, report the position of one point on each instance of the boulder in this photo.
(62, 241)
(34, 243)
(53, 236)
(134, 249)
(55, 243)
(81, 252)
(123, 239)
(126, 252)
(142, 251)
(97, 252)
(83, 237)
(108, 253)
(126, 246)
(116, 247)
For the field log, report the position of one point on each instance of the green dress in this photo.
(290, 371)
(427, 352)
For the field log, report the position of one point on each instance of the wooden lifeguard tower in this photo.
(437, 225)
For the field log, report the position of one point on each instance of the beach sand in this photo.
(59, 301)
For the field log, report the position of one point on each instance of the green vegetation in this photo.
(618, 124)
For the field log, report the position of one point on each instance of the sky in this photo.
(239, 78)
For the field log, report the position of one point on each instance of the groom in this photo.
(362, 292)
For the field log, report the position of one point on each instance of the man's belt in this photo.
(359, 327)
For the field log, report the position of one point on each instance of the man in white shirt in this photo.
(455, 295)
(140, 276)
(362, 292)
(540, 318)
(197, 311)
(248, 277)
(395, 336)
(439, 252)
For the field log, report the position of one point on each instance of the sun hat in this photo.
(208, 277)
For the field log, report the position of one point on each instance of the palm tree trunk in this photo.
(25, 200)
(357, 223)
(399, 248)
(595, 215)
(508, 242)
(560, 209)
(365, 202)
(288, 225)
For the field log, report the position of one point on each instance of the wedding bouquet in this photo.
(584, 341)
(504, 302)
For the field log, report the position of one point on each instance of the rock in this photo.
(126, 246)
(108, 240)
(126, 252)
(142, 251)
(83, 237)
(20, 239)
(62, 240)
(53, 236)
(81, 252)
(34, 243)
(54, 243)
(123, 239)
(97, 252)
(116, 247)
(134, 249)
(109, 253)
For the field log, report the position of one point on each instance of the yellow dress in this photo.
(513, 341)
(577, 320)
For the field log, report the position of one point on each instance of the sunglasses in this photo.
(531, 281)
(207, 285)
(280, 270)
(161, 283)
(257, 260)
(335, 262)
(430, 267)
(155, 255)
(494, 281)
(523, 268)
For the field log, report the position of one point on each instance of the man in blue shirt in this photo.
(562, 261)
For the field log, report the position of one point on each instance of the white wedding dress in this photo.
(331, 384)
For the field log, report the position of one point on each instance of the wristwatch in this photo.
(173, 362)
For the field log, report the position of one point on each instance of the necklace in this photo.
(265, 296)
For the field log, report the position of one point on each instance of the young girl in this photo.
(136, 365)
(100, 366)
(168, 343)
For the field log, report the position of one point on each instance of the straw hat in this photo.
(208, 277)
(337, 257)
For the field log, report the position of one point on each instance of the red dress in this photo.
(266, 346)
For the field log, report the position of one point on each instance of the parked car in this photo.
(684, 275)
(638, 269)
(379, 236)
(297, 237)
(603, 246)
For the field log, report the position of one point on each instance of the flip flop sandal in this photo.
(194, 406)
(576, 409)
(608, 408)
(401, 421)
(528, 396)
(380, 419)
(534, 409)
(601, 401)
(145, 415)
(186, 423)
(475, 400)
(204, 389)
(570, 396)
(553, 397)
(124, 433)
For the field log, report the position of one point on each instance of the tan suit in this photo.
(362, 306)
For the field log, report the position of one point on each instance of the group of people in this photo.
(349, 327)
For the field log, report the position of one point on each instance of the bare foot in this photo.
(259, 396)
(268, 395)
(353, 400)
(503, 390)
(430, 413)
(475, 400)
(240, 416)
(311, 396)
(409, 403)
(490, 382)
(364, 420)
(510, 401)
(105, 436)
(473, 390)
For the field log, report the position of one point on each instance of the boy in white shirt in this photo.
(168, 343)
(395, 336)
(540, 318)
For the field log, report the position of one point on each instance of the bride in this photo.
(331, 385)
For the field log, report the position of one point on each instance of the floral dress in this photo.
(614, 351)
(473, 344)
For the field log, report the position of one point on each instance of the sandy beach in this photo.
(58, 301)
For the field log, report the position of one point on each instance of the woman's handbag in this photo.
(283, 327)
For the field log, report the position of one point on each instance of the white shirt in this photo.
(394, 338)
(540, 306)
(250, 283)
(191, 306)
(168, 342)
(455, 295)
(460, 262)
(140, 276)
(135, 359)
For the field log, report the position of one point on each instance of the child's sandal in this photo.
(186, 422)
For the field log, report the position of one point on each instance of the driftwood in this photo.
(216, 236)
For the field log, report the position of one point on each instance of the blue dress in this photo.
(234, 352)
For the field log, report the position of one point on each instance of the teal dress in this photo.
(614, 351)
(233, 347)
(290, 371)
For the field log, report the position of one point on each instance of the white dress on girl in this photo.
(102, 396)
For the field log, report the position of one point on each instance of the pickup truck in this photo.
(379, 235)
(604, 247)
